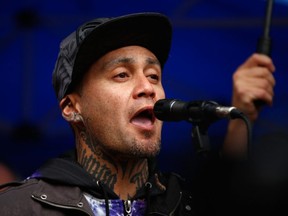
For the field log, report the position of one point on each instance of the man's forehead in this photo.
(129, 55)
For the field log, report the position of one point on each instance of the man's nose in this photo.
(144, 88)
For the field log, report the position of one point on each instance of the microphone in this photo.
(193, 111)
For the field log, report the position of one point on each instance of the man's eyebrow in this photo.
(121, 60)
(152, 61)
(118, 61)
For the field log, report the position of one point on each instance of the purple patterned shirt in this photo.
(116, 207)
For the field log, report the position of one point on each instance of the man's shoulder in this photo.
(174, 180)
(178, 200)
(15, 197)
(32, 196)
(16, 190)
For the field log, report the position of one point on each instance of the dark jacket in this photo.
(57, 189)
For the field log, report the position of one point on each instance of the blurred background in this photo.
(211, 39)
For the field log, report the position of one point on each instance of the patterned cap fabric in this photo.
(97, 37)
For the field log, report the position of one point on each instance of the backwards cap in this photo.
(97, 37)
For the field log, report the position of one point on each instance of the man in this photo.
(107, 79)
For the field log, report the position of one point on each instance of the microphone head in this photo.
(171, 110)
(198, 112)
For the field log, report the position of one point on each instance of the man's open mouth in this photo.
(143, 118)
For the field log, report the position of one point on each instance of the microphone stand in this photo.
(200, 137)
(201, 140)
(264, 43)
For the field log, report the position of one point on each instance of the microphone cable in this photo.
(248, 124)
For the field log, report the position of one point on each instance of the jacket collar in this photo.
(66, 171)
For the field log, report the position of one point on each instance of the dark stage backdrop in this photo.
(211, 38)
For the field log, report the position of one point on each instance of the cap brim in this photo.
(150, 30)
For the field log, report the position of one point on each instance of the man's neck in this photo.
(124, 177)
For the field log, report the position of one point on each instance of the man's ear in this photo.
(69, 109)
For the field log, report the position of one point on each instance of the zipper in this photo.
(127, 208)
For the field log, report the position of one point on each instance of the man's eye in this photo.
(154, 77)
(122, 75)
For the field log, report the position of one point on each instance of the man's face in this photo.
(116, 102)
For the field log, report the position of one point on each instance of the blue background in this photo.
(211, 39)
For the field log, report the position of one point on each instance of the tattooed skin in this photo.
(91, 164)
(90, 155)
(140, 178)
(101, 172)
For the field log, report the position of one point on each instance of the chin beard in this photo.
(144, 150)
(134, 148)
(137, 149)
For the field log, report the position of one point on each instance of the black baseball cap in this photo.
(97, 37)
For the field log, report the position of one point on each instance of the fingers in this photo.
(252, 81)
(257, 60)
(258, 81)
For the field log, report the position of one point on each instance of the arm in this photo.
(253, 80)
